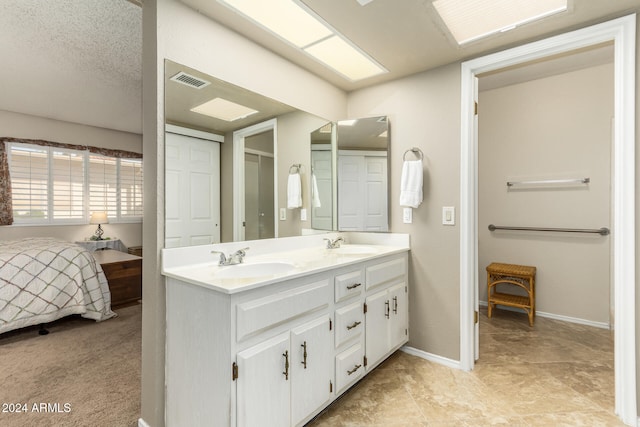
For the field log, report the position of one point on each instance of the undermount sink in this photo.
(259, 269)
(354, 250)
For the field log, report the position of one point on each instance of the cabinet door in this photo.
(263, 389)
(311, 367)
(398, 316)
(377, 327)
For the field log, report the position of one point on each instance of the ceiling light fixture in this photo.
(220, 108)
(470, 20)
(296, 24)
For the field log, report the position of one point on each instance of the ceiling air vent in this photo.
(189, 80)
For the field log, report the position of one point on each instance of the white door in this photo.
(377, 327)
(398, 326)
(192, 191)
(375, 194)
(311, 367)
(350, 191)
(322, 216)
(263, 391)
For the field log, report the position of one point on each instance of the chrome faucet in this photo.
(232, 259)
(335, 243)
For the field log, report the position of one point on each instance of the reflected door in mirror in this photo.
(258, 197)
(192, 191)
(362, 191)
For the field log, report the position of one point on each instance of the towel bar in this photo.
(604, 231)
(415, 150)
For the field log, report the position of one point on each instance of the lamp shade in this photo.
(99, 218)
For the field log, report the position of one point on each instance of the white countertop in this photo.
(308, 256)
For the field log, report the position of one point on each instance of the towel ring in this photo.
(414, 150)
(297, 167)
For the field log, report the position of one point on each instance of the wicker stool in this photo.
(516, 275)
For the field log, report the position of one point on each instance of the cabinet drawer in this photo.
(264, 313)
(348, 285)
(349, 323)
(349, 366)
(382, 273)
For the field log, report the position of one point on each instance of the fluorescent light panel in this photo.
(344, 58)
(283, 17)
(220, 108)
(292, 22)
(470, 20)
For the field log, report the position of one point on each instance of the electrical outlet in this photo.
(283, 214)
(303, 214)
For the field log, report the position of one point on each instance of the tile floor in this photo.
(554, 374)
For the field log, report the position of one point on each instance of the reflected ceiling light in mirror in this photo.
(294, 22)
(326, 128)
(384, 134)
(220, 108)
(470, 20)
(347, 122)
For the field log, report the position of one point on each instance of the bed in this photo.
(44, 279)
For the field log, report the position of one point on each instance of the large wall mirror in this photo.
(228, 152)
(350, 178)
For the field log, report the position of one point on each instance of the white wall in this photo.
(32, 127)
(552, 128)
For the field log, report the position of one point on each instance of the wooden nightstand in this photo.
(124, 274)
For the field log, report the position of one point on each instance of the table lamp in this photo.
(99, 218)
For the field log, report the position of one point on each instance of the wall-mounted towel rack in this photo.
(604, 231)
(295, 168)
(414, 150)
(550, 182)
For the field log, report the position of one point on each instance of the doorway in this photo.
(259, 220)
(258, 140)
(622, 32)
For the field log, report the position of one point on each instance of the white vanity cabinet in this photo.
(287, 377)
(276, 355)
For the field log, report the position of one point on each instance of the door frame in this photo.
(238, 174)
(622, 32)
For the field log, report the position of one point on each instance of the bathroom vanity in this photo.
(276, 339)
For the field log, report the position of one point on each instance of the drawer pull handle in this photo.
(304, 354)
(286, 365)
(355, 368)
(355, 285)
(386, 309)
(395, 305)
(350, 327)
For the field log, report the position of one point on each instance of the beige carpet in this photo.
(82, 374)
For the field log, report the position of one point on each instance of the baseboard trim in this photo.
(455, 364)
(142, 423)
(600, 325)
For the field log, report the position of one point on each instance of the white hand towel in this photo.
(294, 191)
(316, 196)
(411, 184)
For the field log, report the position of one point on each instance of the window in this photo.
(52, 185)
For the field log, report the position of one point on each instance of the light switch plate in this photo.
(407, 215)
(303, 214)
(448, 215)
(283, 214)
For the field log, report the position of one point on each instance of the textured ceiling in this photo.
(73, 60)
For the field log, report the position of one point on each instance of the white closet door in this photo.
(375, 202)
(350, 193)
(192, 191)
